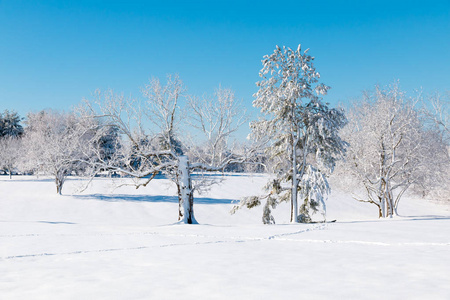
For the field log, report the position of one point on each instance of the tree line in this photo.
(383, 145)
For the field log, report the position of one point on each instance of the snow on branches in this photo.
(391, 148)
(146, 150)
(300, 131)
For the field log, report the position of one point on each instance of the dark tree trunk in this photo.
(59, 181)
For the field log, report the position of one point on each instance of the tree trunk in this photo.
(390, 199)
(59, 181)
(383, 207)
(294, 205)
(186, 192)
(180, 200)
(395, 210)
(391, 206)
(59, 185)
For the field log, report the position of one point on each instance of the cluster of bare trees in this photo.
(165, 132)
(390, 142)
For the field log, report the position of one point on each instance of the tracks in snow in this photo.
(282, 237)
(214, 240)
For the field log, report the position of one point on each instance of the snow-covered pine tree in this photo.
(10, 124)
(108, 142)
(301, 132)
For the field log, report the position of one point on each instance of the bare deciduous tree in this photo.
(10, 153)
(439, 113)
(216, 119)
(144, 152)
(57, 144)
(390, 149)
(436, 179)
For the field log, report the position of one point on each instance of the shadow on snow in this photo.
(56, 223)
(401, 218)
(150, 198)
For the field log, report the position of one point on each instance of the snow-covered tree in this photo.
(433, 172)
(106, 142)
(436, 177)
(147, 149)
(302, 132)
(390, 148)
(437, 111)
(216, 119)
(10, 153)
(57, 144)
(10, 124)
(11, 132)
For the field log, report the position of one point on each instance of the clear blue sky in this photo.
(54, 53)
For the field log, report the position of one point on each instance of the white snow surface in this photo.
(126, 243)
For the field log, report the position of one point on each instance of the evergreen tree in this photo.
(10, 124)
(301, 132)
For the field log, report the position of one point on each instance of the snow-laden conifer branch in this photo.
(300, 131)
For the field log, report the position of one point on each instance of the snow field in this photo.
(124, 243)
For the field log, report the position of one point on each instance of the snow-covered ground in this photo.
(124, 243)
